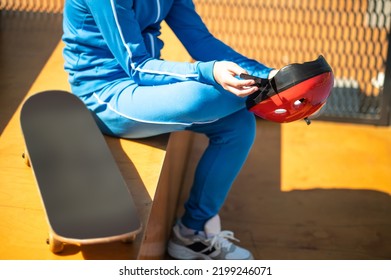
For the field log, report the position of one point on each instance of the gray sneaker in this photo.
(212, 244)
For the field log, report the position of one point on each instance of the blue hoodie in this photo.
(106, 40)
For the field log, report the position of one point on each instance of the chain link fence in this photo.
(44, 6)
(353, 35)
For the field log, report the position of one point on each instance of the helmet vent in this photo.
(297, 103)
(280, 111)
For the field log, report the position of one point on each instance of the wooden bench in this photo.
(153, 168)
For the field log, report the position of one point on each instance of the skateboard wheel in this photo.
(26, 158)
(129, 239)
(55, 245)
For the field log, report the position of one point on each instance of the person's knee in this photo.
(244, 127)
(206, 102)
(239, 129)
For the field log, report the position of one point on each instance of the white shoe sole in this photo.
(182, 253)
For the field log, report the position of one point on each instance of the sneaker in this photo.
(211, 244)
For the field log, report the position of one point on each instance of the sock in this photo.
(186, 232)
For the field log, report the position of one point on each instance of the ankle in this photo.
(186, 231)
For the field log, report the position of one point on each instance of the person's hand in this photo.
(224, 73)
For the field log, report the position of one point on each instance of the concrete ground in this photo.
(280, 216)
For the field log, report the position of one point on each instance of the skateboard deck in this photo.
(85, 197)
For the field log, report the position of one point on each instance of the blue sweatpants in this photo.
(124, 109)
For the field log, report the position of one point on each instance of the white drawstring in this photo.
(221, 240)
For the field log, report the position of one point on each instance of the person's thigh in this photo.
(127, 110)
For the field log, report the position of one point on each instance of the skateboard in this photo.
(85, 197)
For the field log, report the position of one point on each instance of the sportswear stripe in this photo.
(148, 71)
(150, 36)
(158, 11)
(111, 108)
(184, 76)
(119, 29)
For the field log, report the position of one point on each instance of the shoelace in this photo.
(221, 240)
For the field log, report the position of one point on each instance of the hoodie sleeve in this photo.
(201, 44)
(116, 21)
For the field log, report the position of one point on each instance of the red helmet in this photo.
(296, 92)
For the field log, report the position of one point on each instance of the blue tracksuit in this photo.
(112, 54)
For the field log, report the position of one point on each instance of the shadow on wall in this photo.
(27, 41)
